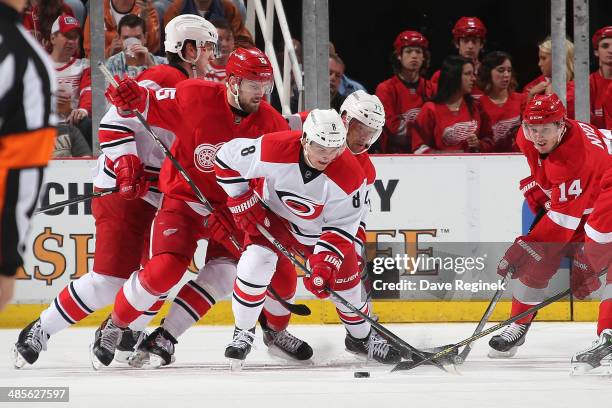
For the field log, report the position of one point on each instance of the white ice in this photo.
(537, 377)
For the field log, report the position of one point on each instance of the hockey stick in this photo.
(409, 365)
(487, 314)
(379, 327)
(77, 199)
(301, 310)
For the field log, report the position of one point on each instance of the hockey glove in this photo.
(221, 227)
(323, 269)
(534, 195)
(130, 177)
(520, 257)
(127, 96)
(583, 278)
(248, 212)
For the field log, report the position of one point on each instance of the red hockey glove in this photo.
(323, 267)
(130, 177)
(583, 278)
(221, 227)
(127, 96)
(520, 257)
(535, 196)
(248, 212)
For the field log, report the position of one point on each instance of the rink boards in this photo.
(449, 202)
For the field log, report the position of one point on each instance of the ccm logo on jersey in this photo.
(204, 156)
(302, 207)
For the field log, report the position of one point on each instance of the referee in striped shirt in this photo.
(27, 135)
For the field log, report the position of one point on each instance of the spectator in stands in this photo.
(403, 94)
(39, 15)
(347, 85)
(135, 56)
(601, 79)
(214, 10)
(73, 93)
(70, 142)
(78, 9)
(450, 122)
(216, 68)
(501, 107)
(543, 83)
(336, 70)
(469, 36)
(114, 11)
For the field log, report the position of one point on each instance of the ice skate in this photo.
(240, 347)
(102, 351)
(31, 341)
(155, 351)
(596, 359)
(506, 344)
(374, 347)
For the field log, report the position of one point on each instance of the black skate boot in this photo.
(285, 343)
(240, 347)
(506, 344)
(130, 340)
(31, 341)
(373, 346)
(108, 336)
(597, 359)
(155, 351)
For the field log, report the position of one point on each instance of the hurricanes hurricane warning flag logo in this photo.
(303, 207)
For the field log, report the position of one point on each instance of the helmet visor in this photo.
(257, 87)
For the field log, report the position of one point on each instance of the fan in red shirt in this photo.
(570, 163)
(450, 122)
(542, 85)
(469, 36)
(601, 79)
(501, 107)
(403, 94)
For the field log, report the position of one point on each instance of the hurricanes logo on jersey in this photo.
(303, 207)
(204, 156)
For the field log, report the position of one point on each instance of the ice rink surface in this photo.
(537, 377)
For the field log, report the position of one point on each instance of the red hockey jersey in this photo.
(402, 103)
(599, 93)
(570, 175)
(439, 128)
(501, 122)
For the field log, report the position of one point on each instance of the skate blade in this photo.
(123, 357)
(235, 364)
(95, 363)
(16, 358)
(586, 370)
(139, 359)
(495, 354)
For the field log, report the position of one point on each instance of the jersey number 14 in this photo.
(574, 189)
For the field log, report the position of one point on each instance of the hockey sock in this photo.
(277, 316)
(144, 319)
(78, 300)
(605, 314)
(190, 305)
(519, 307)
(255, 269)
(356, 325)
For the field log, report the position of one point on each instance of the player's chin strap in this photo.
(194, 70)
(236, 95)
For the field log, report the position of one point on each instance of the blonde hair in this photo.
(546, 46)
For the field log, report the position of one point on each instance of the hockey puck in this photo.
(361, 374)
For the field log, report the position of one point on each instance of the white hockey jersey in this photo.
(323, 209)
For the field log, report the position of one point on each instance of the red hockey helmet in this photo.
(544, 109)
(469, 27)
(249, 63)
(409, 39)
(604, 32)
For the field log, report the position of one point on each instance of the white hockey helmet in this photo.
(367, 109)
(324, 127)
(190, 27)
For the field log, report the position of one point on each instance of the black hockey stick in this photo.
(77, 199)
(302, 310)
(379, 327)
(295, 308)
(409, 365)
(487, 314)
